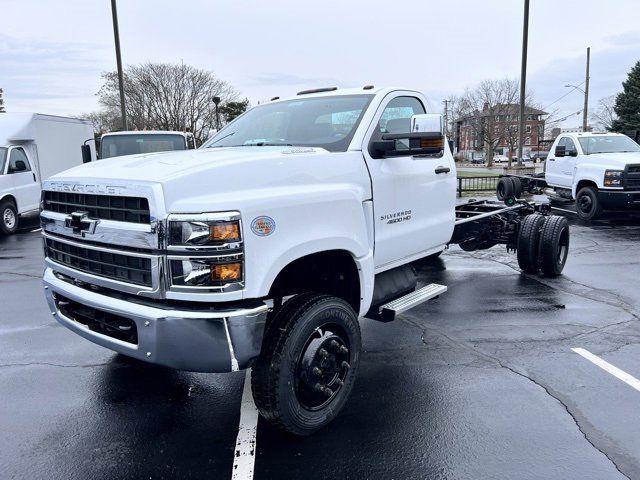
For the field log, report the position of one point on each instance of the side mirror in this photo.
(561, 151)
(572, 153)
(425, 137)
(86, 153)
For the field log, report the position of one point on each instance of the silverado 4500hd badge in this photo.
(396, 217)
(263, 226)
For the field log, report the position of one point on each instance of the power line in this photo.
(568, 93)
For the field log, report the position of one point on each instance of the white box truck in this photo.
(34, 147)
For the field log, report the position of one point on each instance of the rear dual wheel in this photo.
(308, 363)
(543, 244)
(508, 188)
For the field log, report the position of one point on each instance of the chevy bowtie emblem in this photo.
(81, 223)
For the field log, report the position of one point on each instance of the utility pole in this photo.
(446, 118)
(585, 112)
(216, 102)
(523, 81)
(116, 36)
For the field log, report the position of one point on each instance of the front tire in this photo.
(8, 217)
(308, 363)
(588, 206)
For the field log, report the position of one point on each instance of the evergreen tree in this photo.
(2, 110)
(628, 103)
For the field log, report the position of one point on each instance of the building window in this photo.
(528, 129)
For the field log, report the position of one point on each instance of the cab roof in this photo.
(146, 132)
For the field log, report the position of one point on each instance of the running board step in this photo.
(390, 310)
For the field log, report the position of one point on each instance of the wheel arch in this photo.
(584, 182)
(336, 272)
(11, 198)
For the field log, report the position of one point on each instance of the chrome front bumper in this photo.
(198, 339)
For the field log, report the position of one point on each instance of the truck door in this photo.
(561, 163)
(26, 187)
(413, 197)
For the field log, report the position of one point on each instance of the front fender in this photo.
(589, 173)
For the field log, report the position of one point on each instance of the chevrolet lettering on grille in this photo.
(81, 223)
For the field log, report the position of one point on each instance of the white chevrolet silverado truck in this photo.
(600, 171)
(266, 246)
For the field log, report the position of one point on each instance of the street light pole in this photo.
(523, 80)
(586, 94)
(116, 36)
(216, 102)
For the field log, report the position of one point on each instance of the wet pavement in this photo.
(481, 383)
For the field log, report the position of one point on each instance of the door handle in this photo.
(34, 177)
(442, 170)
(551, 159)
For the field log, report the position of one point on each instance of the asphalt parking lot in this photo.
(482, 383)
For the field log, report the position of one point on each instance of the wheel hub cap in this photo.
(585, 204)
(9, 218)
(322, 368)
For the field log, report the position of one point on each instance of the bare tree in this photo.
(164, 96)
(604, 114)
(488, 106)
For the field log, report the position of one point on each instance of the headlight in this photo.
(206, 272)
(613, 178)
(204, 230)
(205, 251)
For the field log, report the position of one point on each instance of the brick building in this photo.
(498, 126)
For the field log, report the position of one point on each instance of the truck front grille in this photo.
(116, 266)
(105, 207)
(109, 324)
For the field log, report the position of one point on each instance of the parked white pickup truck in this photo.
(598, 170)
(264, 248)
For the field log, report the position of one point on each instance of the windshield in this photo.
(3, 156)
(608, 144)
(327, 122)
(116, 145)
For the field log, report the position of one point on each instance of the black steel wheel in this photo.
(528, 243)
(588, 206)
(504, 189)
(308, 363)
(8, 217)
(554, 245)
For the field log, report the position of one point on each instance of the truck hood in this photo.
(614, 160)
(212, 179)
(164, 167)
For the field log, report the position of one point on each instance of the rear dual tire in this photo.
(508, 188)
(543, 244)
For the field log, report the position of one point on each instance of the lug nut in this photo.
(339, 382)
(323, 353)
(322, 389)
(317, 372)
(345, 365)
(344, 349)
(334, 345)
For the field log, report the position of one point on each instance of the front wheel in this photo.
(8, 218)
(308, 363)
(588, 206)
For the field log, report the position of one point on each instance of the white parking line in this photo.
(36, 230)
(606, 366)
(245, 452)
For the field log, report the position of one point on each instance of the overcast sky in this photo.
(52, 52)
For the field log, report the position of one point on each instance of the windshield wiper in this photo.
(221, 138)
(267, 144)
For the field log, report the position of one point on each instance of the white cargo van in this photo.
(33, 147)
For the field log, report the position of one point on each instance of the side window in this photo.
(18, 161)
(396, 117)
(571, 146)
(191, 143)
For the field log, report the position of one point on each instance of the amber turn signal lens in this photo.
(226, 271)
(227, 231)
(431, 143)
